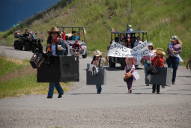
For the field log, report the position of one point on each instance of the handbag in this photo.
(127, 76)
(36, 60)
(152, 70)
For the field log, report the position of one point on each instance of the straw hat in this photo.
(160, 51)
(174, 37)
(54, 30)
(150, 44)
(97, 53)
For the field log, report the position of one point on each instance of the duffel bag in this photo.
(37, 59)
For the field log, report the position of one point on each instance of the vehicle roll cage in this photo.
(132, 34)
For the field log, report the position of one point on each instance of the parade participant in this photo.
(173, 50)
(76, 45)
(158, 62)
(55, 47)
(75, 36)
(129, 69)
(138, 41)
(146, 61)
(98, 62)
(129, 28)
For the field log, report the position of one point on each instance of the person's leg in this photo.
(129, 84)
(99, 89)
(51, 90)
(158, 88)
(146, 74)
(175, 67)
(169, 62)
(154, 88)
(59, 89)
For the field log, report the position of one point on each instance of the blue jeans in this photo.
(99, 88)
(51, 88)
(173, 63)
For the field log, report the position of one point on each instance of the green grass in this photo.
(21, 84)
(8, 66)
(160, 18)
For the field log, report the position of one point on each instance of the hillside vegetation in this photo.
(161, 18)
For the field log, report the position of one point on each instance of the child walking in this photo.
(158, 62)
(129, 69)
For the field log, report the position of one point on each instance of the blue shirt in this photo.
(53, 48)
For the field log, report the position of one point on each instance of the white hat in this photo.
(150, 44)
(174, 37)
(97, 53)
(130, 26)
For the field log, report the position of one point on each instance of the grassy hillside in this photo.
(160, 18)
(18, 78)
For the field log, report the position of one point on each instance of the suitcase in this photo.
(59, 69)
(93, 79)
(163, 77)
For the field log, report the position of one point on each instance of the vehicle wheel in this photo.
(85, 55)
(20, 47)
(16, 44)
(111, 63)
(123, 64)
(27, 47)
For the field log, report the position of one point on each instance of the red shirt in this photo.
(158, 61)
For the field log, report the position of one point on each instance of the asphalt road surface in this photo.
(114, 108)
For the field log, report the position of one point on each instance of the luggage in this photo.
(163, 77)
(59, 69)
(93, 78)
(37, 59)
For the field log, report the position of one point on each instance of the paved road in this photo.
(114, 108)
(11, 52)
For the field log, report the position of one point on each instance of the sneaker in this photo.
(49, 97)
(60, 95)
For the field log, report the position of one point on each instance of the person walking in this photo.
(146, 61)
(98, 62)
(55, 47)
(129, 69)
(158, 62)
(173, 51)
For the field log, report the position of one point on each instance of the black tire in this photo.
(111, 63)
(16, 44)
(85, 55)
(27, 46)
(123, 64)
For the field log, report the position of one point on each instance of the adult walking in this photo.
(55, 47)
(146, 61)
(98, 62)
(173, 51)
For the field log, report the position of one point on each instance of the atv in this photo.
(27, 42)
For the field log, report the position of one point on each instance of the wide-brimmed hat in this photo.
(174, 37)
(130, 26)
(150, 44)
(160, 51)
(54, 30)
(97, 53)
